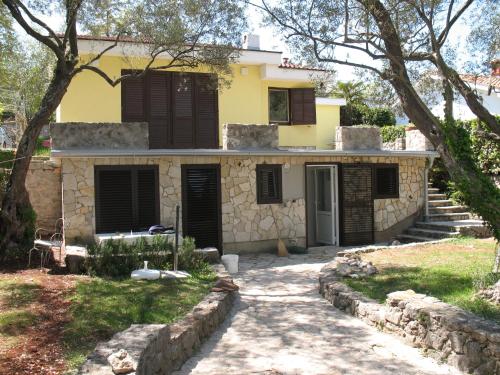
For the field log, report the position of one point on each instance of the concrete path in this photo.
(281, 325)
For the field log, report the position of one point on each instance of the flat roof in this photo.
(249, 152)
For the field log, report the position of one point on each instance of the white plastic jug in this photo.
(230, 261)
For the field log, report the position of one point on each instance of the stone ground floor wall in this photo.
(245, 224)
(43, 183)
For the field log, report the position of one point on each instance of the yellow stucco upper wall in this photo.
(90, 99)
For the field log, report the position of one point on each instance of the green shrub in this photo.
(379, 116)
(118, 259)
(7, 158)
(358, 114)
(391, 133)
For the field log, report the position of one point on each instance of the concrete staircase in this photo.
(445, 220)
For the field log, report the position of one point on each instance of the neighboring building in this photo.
(130, 154)
(486, 87)
(8, 135)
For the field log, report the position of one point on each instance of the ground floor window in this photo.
(127, 198)
(269, 184)
(386, 181)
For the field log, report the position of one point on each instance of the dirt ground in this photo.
(37, 347)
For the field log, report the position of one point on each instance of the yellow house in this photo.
(239, 167)
(257, 76)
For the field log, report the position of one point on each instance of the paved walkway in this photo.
(281, 325)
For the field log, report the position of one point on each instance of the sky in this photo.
(270, 40)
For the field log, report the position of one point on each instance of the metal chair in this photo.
(46, 239)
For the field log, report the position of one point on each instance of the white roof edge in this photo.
(135, 49)
(218, 152)
(330, 101)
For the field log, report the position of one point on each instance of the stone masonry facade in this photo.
(243, 220)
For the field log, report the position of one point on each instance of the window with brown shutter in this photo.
(269, 184)
(292, 106)
(386, 181)
(181, 108)
(127, 198)
(133, 98)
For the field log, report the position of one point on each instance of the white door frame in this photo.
(334, 188)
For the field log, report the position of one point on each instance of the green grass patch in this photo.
(103, 307)
(15, 296)
(449, 271)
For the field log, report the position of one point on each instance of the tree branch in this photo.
(12, 5)
(450, 22)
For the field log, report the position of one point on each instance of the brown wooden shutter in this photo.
(201, 218)
(183, 121)
(133, 98)
(386, 181)
(159, 109)
(114, 203)
(127, 198)
(357, 205)
(146, 198)
(269, 183)
(302, 106)
(206, 104)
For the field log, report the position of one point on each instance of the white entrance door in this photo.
(326, 204)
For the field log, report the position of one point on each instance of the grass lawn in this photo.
(448, 271)
(50, 323)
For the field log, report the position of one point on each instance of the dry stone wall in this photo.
(43, 183)
(455, 336)
(243, 220)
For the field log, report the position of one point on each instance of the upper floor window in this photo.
(181, 108)
(292, 106)
(279, 106)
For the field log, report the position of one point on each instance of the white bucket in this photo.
(230, 261)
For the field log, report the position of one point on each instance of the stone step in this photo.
(431, 233)
(408, 238)
(448, 217)
(450, 226)
(441, 203)
(433, 190)
(434, 197)
(447, 209)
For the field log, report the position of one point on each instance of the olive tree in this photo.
(392, 39)
(182, 33)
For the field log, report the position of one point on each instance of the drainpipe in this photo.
(429, 163)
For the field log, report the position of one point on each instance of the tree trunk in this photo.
(16, 215)
(481, 194)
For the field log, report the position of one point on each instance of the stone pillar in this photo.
(416, 141)
(245, 137)
(358, 138)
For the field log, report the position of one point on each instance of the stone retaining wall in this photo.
(43, 183)
(416, 141)
(358, 138)
(242, 137)
(460, 338)
(163, 348)
(99, 136)
(398, 144)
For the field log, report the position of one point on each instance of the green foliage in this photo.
(478, 193)
(360, 114)
(353, 92)
(380, 116)
(118, 259)
(40, 149)
(7, 158)
(391, 133)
